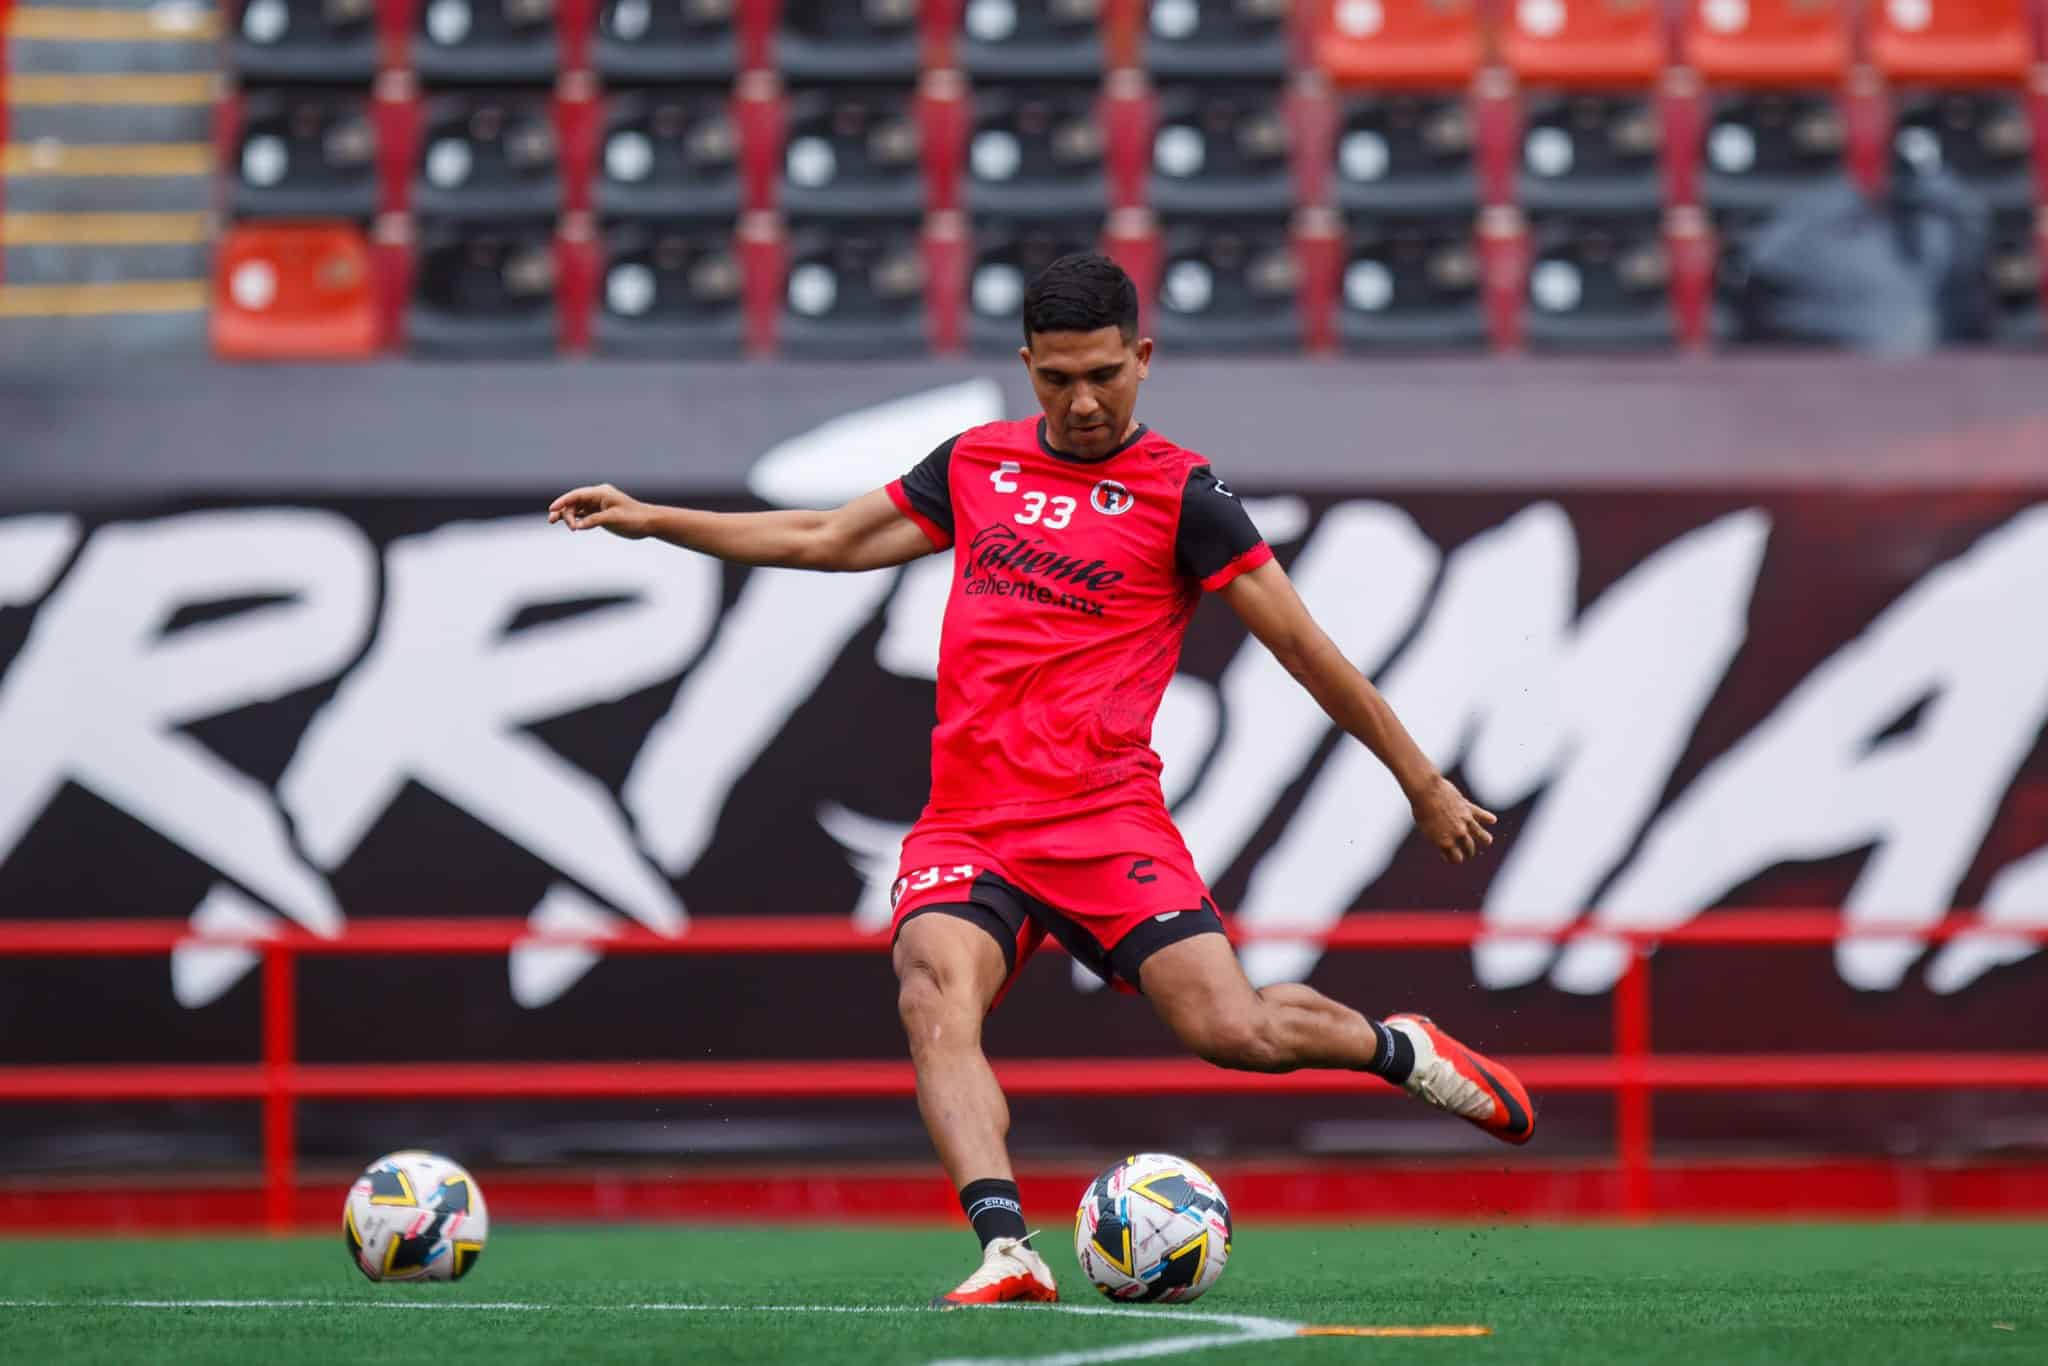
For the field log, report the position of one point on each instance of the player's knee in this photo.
(931, 1014)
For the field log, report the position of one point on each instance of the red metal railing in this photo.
(1632, 1071)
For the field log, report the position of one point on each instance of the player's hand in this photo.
(1447, 820)
(600, 505)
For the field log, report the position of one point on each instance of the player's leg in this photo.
(952, 962)
(1200, 991)
(948, 971)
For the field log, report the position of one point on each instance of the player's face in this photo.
(1087, 383)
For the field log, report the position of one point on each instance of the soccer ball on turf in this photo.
(414, 1216)
(1153, 1227)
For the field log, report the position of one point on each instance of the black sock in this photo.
(994, 1210)
(1395, 1057)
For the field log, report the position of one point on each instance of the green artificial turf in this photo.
(1833, 1293)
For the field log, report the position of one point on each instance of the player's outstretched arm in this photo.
(1266, 601)
(867, 533)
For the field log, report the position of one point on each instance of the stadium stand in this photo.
(1364, 175)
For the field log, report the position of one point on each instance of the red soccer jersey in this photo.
(1075, 581)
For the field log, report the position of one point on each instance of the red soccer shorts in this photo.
(1113, 885)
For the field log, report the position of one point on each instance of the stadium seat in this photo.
(1030, 40)
(1591, 132)
(1587, 152)
(1776, 121)
(305, 40)
(488, 154)
(670, 287)
(1412, 283)
(1950, 42)
(1217, 39)
(1222, 148)
(1772, 44)
(670, 152)
(491, 41)
(849, 40)
(854, 289)
(1760, 147)
(1406, 152)
(1982, 137)
(2017, 282)
(1404, 44)
(675, 40)
(1007, 253)
(1584, 44)
(852, 151)
(1598, 285)
(1037, 151)
(293, 292)
(304, 152)
(484, 289)
(1228, 284)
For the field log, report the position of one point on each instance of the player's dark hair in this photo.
(1081, 293)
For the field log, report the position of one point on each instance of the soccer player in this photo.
(1083, 542)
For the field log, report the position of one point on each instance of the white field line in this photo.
(1246, 1328)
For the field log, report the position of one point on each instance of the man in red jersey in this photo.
(1083, 542)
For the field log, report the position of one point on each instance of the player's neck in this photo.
(1133, 430)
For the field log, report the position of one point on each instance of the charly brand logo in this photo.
(436, 661)
(1111, 499)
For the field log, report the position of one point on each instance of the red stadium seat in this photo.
(1951, 42)
(294, 292)
(1410, 43)
(1584, 43)
(1773, 43)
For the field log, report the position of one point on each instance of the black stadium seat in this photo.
(670, 288)
(488, 154)
(849, 40)
(1406, 153)
(852, 150)
(1412, 284)
(1030, 40)
(305, 152)
(1216, 39)
(666, 40)
(670, 152)
(306, 40)
(489, 41)
(1228, 285)
(1222, 148)
(484, 288)
(854, 289)
(1598, 284)
(1036, 151)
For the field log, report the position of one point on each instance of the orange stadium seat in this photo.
(1774, 43)
(1584, 43)
(294, 292)
(1951, 42)
(1398, 42)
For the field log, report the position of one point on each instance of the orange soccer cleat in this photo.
(1452, 1077)
(1010, 1273)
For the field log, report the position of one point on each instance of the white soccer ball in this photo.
(1153, 1228)
(415, 1216)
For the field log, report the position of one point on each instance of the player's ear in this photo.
(1143, 351)
(1024, 354)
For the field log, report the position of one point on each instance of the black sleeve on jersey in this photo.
(1214, 527)
(928, 489)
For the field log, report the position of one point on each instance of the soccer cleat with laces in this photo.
(1010, 1273)
(1452, 1077)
